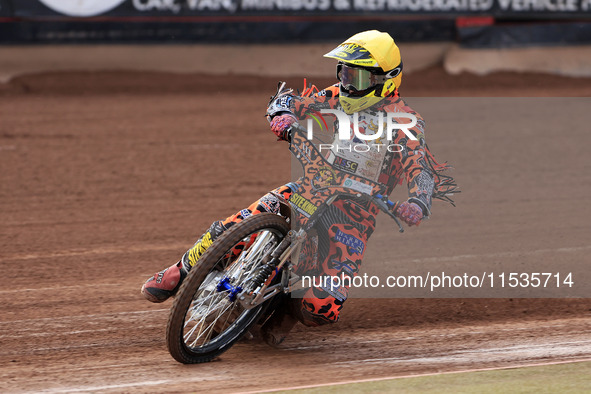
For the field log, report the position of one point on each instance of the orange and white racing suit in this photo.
(344, 230)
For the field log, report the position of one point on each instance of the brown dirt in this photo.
(431, 82)
(109, 177)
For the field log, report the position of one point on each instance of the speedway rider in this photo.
(369, 71)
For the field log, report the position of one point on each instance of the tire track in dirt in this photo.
(103, 363)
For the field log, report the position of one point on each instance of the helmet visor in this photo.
(358, 78)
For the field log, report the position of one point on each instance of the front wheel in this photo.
(206, 318)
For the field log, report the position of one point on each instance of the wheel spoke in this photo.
(209, 329)
(220, 297)
(212, 312)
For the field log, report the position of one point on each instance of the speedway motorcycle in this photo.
(238, 280)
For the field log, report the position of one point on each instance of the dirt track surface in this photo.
(107, 178)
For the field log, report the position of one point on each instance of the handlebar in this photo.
(386, 206)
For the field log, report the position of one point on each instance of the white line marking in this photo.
(62, 287)
(552, 348)
(415, 376)
(202, 377)
(97, 251)
(25, 332)
(100, 316)
(107, 387)
(335, 343)
(126, 365)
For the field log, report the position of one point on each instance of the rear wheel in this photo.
(206, 318)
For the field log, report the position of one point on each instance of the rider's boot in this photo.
(278, 326)
(165, 284)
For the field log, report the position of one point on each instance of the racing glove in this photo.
(409, 212)
(280, 125)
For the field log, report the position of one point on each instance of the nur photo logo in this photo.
(387, 125)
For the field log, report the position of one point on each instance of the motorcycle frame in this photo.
(321, 193)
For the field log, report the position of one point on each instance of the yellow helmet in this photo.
(369, 69)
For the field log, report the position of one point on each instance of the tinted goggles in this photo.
(360, 78)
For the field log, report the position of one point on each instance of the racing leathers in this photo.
(344, 230)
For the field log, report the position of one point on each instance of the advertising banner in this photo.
(5, 10)
(275, 21)
(184, 8)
